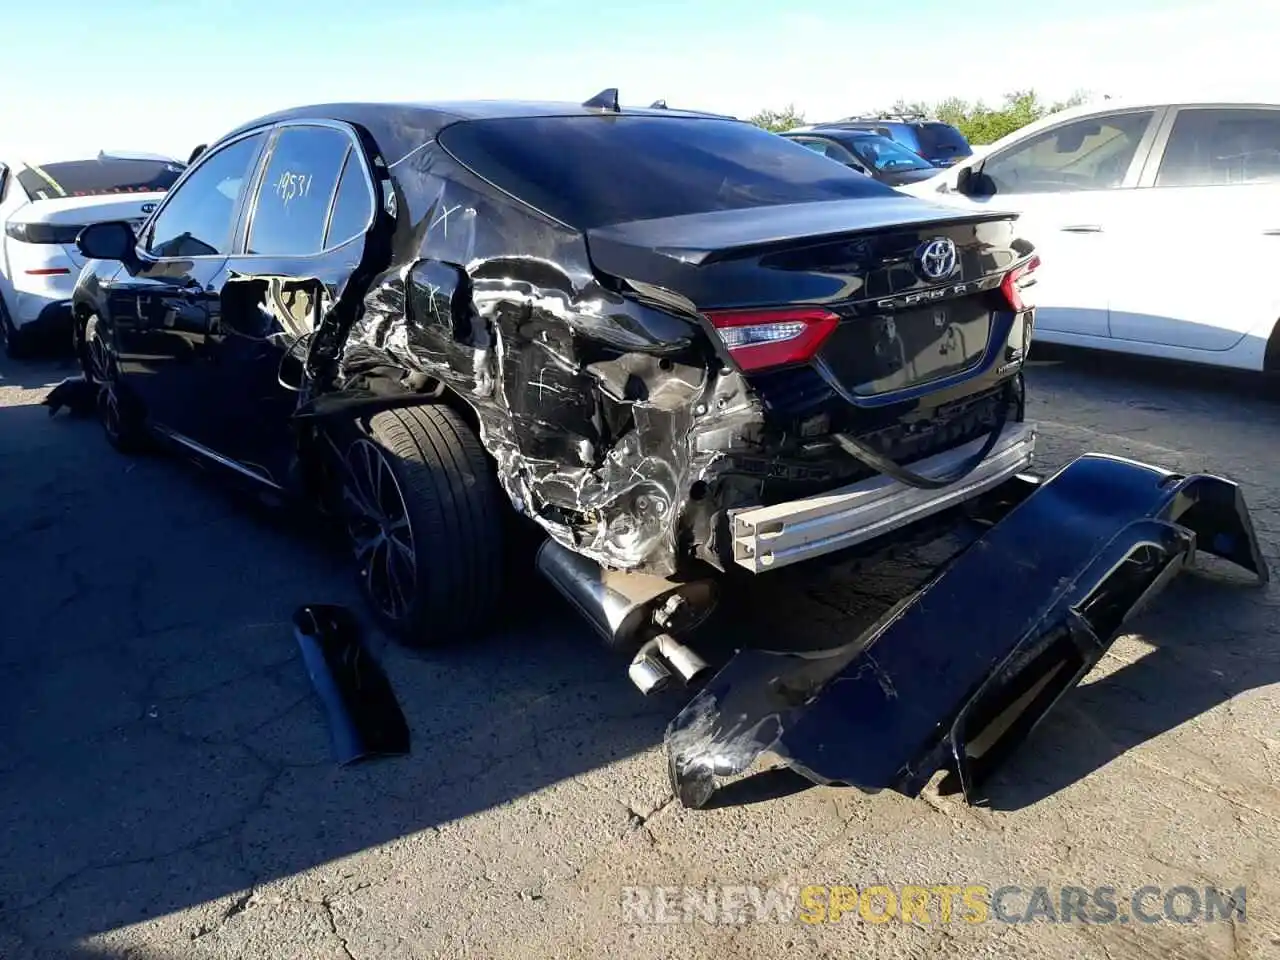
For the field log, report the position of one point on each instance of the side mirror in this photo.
(113, 240)
(963, 180)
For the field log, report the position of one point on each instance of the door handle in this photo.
(1273, 232)
(1082, 228)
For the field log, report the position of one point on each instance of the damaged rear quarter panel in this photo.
(606, 417)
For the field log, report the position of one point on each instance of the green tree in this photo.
(779, 121)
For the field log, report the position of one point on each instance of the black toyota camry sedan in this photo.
(628, 326)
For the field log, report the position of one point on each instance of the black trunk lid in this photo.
(900, 328)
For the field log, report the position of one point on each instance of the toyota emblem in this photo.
(937, 259)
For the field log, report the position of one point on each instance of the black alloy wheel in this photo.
(425, 519)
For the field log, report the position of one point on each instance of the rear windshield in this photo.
(91, 178)
(591, 171)
(941, 140)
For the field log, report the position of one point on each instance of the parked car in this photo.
(939, 143)
(1123, 200)
(868, 153)
(488, 293)
(42, 209)
(685, 349)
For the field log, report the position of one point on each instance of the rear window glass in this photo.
(590, 171)
(91, 178)
(941, 140)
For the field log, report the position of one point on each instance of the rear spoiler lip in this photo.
(851, 716)
(703, 238)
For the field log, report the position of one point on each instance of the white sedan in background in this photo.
(1158, 225)
(42, 209)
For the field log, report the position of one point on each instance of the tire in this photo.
(16, 343)
(452, 510)
(121, 416)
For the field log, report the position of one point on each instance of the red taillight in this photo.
(759, 339)
(1017, 281)
(48, 272)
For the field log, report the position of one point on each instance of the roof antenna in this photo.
(658, 105)
(605, 100)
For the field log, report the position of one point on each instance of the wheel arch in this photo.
(1271, 357)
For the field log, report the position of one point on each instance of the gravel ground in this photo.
(166, 789)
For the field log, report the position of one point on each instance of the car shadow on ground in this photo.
(1117, 374)
(1208, 640)
(34, 375)
(163, 748)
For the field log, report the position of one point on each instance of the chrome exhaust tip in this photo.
(655, 663)
(649, 674)
(688, 664)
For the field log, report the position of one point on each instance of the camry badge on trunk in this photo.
(937, 259)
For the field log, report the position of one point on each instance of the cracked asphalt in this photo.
(166, 789)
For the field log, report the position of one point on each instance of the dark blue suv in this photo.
(939, 143)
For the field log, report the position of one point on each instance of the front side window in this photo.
(597, 170)
(293, 200)
(96, 178)
(1210, 148)
(198, 218)
(1091, 154)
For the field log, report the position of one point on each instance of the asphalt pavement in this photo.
(166, 788)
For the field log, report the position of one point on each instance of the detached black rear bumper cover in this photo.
(961, 672)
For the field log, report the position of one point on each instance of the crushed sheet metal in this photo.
(600, 413)
(365, 720)
(1041, 595)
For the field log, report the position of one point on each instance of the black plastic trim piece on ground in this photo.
(365, 720)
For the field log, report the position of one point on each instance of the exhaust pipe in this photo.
(652, 667)
(621, 605)
(624, 608)
(688, 664)
(649, 674)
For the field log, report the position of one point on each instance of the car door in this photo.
(1210, 202)
(301, 240)
(161, 308)
(1068, 183)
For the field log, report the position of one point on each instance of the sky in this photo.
(165, 75)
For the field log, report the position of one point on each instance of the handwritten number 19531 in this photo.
(293, 186)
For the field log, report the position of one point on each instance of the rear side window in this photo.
(353, 206)
(92, 178)
(293, 199)
(590, 171)
(1219, 147)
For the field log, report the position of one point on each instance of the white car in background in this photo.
(42, 209)
(1141, 213)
